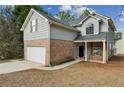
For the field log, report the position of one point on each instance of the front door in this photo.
(81, 51)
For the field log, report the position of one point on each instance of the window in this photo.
(110, 46)
(33, 25)
(89, 29)
(97, 49)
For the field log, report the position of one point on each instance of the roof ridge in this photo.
(49, 15)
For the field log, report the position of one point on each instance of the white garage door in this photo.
(36, 54)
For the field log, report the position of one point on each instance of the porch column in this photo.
(85, 51)
(104, 52)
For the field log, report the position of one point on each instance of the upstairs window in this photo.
(90, 29)
(34, 25)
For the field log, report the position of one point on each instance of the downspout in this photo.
(107, 40)
(107, 46)
(50, 45)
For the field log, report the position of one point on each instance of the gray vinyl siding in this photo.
(103, 26)
(42, 32)
(89, 21)
(61, 33)
(110, 41)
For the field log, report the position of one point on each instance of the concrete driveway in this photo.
(17, 65)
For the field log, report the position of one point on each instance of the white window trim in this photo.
(86, 30)
(33, 25)
(110, 46)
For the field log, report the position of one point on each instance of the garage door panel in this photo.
(36, 54)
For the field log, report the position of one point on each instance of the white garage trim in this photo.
(36, 54)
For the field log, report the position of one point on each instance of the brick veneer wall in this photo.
(37, 43)
(61, 51)
(90, 50)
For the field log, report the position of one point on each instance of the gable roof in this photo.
(83, 18)
(28, 18)
(90, 15)
(48, 18)
(98, 19)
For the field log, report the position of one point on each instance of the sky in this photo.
(112, 11)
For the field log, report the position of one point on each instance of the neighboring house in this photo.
(50, 41)
(119, 45)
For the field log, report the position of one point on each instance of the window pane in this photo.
(33, 28)
(97, 51)
(89, 29)
(33, 25)
(33, 22)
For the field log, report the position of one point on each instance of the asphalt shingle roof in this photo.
(92, 37)
(77, 21)
(67, 23)
(56, 20)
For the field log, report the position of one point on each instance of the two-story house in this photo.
(50, 41)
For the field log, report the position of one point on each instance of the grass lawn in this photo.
(81, 74)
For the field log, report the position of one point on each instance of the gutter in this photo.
(79, 41)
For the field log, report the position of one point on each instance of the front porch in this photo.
(91, 50)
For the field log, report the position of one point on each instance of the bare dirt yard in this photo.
(83, 74)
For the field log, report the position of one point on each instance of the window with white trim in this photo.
(89, 29)
(34, 25)
(110, 46)
(97, 49)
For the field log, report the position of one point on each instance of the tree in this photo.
(20, 13)
(8, 36)
(86, 12)
(65, 16)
